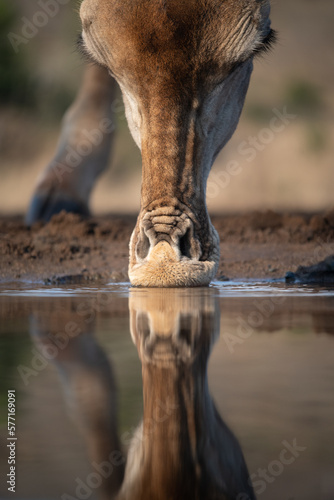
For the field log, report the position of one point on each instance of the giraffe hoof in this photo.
(44, 205)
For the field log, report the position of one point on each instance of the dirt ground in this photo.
(70, 249)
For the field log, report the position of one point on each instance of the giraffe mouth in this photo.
(166, 251)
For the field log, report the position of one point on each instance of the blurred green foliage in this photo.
(303, 98)
(316, 137)
(15, 83)
(258, 113)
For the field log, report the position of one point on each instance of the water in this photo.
(89, 364)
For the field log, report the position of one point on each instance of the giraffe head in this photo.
(184, 69)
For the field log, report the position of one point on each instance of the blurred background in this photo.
(286, 169)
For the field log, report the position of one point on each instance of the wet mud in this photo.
(260, 245)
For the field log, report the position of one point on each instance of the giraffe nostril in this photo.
(175, 229)
(143, 246)
(185, 244)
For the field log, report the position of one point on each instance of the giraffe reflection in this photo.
(89, 388)
(182, 449)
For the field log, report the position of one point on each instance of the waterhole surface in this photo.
(88, 364)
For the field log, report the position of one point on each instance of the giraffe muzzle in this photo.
(165, 251)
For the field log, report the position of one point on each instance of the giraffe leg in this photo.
(83, 150)
(67, 341)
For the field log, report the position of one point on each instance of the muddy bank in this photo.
(70, 249)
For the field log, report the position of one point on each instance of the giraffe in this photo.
(183, 449)
(183, 68)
